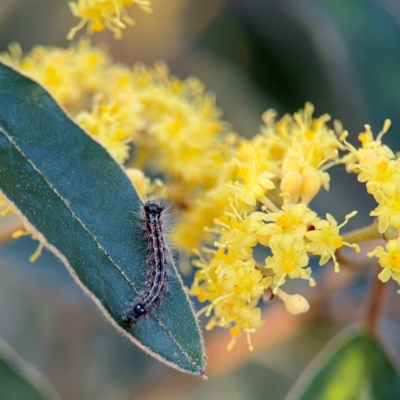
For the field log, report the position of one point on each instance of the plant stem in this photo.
(368, 232)
(375, 299)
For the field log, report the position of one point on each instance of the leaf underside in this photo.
(79, 199)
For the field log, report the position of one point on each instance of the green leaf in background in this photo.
(354, 366)
(82, 204)
(19, 380)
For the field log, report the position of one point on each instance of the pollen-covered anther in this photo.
(311, 184)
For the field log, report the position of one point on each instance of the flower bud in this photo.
(310, 186)
(296, 304)
(291, 184)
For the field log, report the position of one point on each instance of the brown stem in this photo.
(375, 299)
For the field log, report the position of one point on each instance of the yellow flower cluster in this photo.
(282, 168)
(102, 14)
(233, 194)
(379, 168)
(70, 75)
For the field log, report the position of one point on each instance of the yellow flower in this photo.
(306, 146)
(325, 239)
(291, 223)
(238, 233)
(114, 124)
(389, 260)
(378, 166)
(183, 125)
(69, 74)
(292, 154)
(366, 158)
(233, 287)
(387, 211)
(254, 172)
(287, 260)
(373, 161)
(102, 14)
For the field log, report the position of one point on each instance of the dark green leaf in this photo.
(354, 366)
(81, 202)
(19, 380)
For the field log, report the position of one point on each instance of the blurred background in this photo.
(343, 56)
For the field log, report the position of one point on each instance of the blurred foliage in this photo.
(254, 54)
(353, 366)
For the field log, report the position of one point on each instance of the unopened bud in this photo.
(310, 186)
(291, 184)
(296, 304)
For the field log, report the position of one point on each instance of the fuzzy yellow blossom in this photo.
(254, 173)
(324, 239)
(307, 147)
(295, 233)
(255, 168)
(290, 223)
(389, 260)
(190, 231)
(114, 124)
(293, 155)
(238, 233)
(288, 261)
(183, 125)
(233, 288)
(104, 14)
(377, 166)
(387, 211)
(70, 75)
